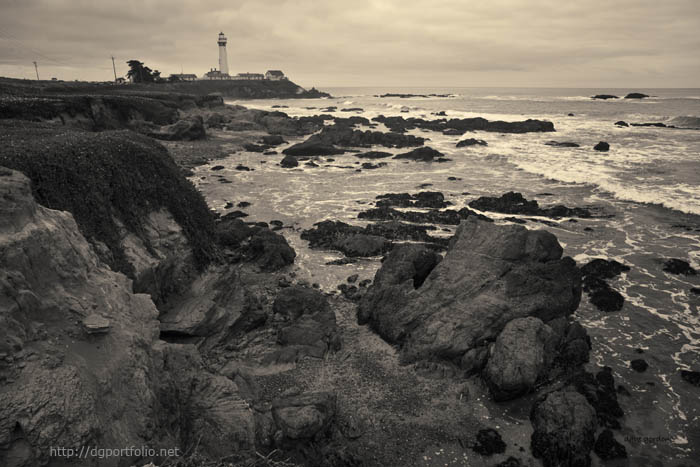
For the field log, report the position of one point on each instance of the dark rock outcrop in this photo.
(595, 276)
(602, 146)
(562, 144)
(515, 203)
(490, 276)
(330, 138)
(679, 266)
(636, 95)
(604, 96)
(471, 142)
(423, 154)
(489, 442)
(564, 429)
(401, 125)
(423, 199)
(289, 162)
(693, 377)
(622, 123)
(373, 155)
(448, 216)
(607, 447)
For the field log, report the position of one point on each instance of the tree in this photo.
(138, 73)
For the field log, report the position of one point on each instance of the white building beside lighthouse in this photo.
(223, 59)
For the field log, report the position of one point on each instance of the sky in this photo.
(390, 43)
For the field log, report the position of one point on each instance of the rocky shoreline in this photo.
(134, 315)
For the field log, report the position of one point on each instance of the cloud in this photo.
(364, 42)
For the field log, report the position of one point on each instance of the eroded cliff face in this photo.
(81, 363)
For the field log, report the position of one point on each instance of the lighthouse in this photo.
(223, 61)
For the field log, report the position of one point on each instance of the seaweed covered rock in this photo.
(111, 182)
(564, 429)
(490, 275)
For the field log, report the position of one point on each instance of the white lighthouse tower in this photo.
(223, 61)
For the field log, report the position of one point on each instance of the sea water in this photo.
(647, 187)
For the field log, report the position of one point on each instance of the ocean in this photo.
(647, 187)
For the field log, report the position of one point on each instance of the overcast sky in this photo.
(584, 43)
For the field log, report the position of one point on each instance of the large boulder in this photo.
(564, 428)
(303, 417)
(521, 356)
(490, 275)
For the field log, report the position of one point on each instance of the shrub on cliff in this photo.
(102, 178)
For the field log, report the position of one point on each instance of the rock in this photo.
(491, 275)
(310, 149)
(695, 290)
(352, 279)
(243, 168)
(311, 328)
(564, 144)
(678, 266)
(289, 162)
(273, 140)
(471, 142)
(602, 296)
(423, 154)
(305, 416)
(639, 365)
(607, 447)
(218, 167)
(269, 249)
(370, 166)
(96, 324)
(352, 109)
(693, 377)
(325, 142)
(604, 96)
(515, 203)
(521, 356)
(599, 390)
(452, 132)
(311, 164)
(564, 427)
(636, 95)
(127, 385)
(602, 146)
(622, 123)
(448, 216)
(373, 155)
(603, 269)
(188, 129)
(363, 245)
(489, 442)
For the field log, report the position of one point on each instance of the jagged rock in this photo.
(607, 447)
(325, 142)
(602, 146)
(471, 142)
(363, 245)
(678, 266)
(521, 356)
(600, 392)
(96, 324)
(304, 416)
(270, 250)
(491, 275)
(602, 296)
(448, 216)
(489, 442)
(564, 428)
(400, 125)
(423, 154)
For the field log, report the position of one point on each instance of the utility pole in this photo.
(114, 67)
(36, 68)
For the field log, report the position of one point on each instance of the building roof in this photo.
(275, 72)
